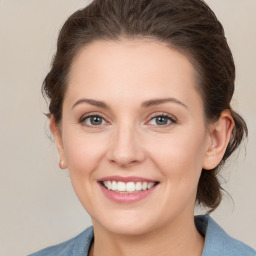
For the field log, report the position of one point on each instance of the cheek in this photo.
(82, 153)
(180, 157)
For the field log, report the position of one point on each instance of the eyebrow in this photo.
(154, 102)
(96, 103)
(145, 104)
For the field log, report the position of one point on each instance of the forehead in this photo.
(129, 55)
(137, 68)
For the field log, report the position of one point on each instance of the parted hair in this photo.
(188, 26)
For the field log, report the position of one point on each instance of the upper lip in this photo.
(126, 179)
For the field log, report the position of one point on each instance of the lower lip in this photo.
(127, 197)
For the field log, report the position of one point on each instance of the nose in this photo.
(125, 148)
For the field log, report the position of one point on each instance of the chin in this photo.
(129, 230)
(127, 224)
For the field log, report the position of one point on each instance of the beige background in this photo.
(37, 204)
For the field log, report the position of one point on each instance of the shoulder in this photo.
(77, 246)
(218, 242)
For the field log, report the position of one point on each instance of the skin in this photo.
(130, 142)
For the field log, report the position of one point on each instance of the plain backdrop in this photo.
(38, 207)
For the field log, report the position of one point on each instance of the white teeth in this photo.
(109, 185)
(129, 186)
(121, 186)
(114, 185)
(150, 185)
(144, 185)
(138, 186)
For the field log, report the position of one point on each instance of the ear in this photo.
(55, 130)
(220, 133)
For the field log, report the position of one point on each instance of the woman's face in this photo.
(132, 117)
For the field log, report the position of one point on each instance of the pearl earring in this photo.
(61, 164)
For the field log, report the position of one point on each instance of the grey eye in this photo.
(162, 120)
(94, 120)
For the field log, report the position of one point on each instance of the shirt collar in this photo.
(217, 241)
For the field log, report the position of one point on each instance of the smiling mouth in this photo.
(128, 187)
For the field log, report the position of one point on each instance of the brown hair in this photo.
(189, 26)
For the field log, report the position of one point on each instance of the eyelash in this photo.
(90, 115)
(163, 115)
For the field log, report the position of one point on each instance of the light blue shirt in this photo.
(217, 242)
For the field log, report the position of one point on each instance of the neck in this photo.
(179, 238)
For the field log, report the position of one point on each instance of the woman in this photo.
(140, 111)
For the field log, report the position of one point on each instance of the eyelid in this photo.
(81, 120)
(163, 114)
